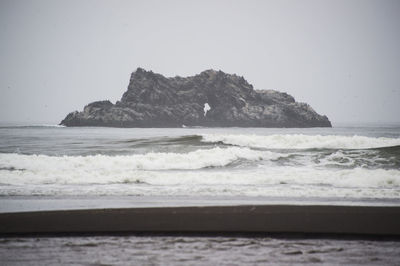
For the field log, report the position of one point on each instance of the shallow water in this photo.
(172, 250)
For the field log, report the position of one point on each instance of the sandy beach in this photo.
(353, 220)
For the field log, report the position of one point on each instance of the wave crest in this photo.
(300, 141)
(101, 166)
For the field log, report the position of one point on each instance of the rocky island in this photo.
(211, 98)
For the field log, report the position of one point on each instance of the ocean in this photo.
(46, 167)
(355, 164)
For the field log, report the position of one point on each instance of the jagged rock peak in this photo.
(153, 100)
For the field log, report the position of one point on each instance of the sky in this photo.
(341, 57)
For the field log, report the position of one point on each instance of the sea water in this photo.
(341, 163)
(51, 167)
(175, 250)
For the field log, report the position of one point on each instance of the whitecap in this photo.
(300, 141)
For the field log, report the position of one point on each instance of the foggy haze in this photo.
(341, 57)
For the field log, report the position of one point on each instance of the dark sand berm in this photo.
(355, 220)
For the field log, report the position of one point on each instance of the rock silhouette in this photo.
(211, 98)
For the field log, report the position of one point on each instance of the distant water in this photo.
(360, 162)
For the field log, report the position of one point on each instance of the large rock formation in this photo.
(212, 98)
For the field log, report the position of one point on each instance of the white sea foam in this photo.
(186, 168)
(18, 168)
(300, 141)
(178, 174)
(274, 182)
(48, 125)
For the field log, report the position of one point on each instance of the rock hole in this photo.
(206, 108)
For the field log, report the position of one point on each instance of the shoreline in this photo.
(209, 220)
(15, 204)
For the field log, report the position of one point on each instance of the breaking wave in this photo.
(206, 164)
(300, 141)
(13, 167)
(277, 182)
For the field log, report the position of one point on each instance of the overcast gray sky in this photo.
(341, 57)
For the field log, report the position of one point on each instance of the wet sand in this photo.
(289, 219)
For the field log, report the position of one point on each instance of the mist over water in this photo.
(341, 57)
